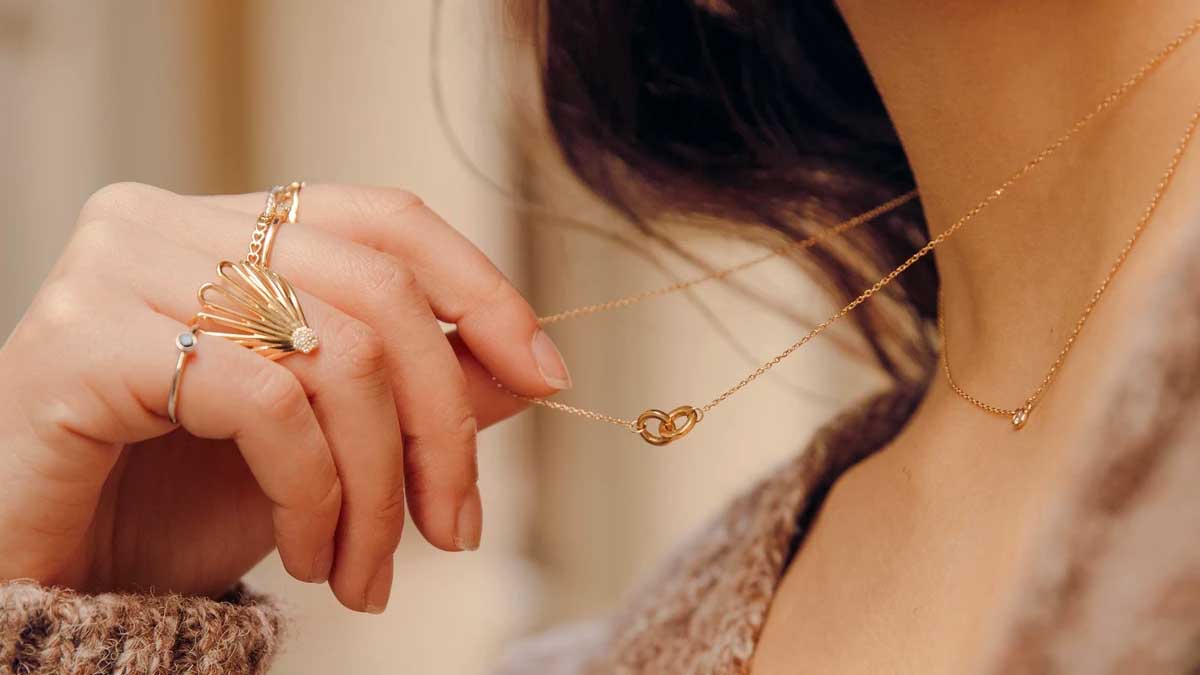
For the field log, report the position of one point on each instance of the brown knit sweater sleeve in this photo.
(52, 630)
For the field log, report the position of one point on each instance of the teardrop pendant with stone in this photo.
(1021, 416)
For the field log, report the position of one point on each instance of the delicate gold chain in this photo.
(828, 233)
(678, 422)
(1020, 415)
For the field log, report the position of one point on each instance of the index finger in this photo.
(463, 286)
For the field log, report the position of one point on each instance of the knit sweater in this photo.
(1113, 587)
(50, 630)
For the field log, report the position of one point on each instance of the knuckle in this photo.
(383, 203)
(387, 277)
(277, 395)
(114, 199)
(328, 494)
(390, 510)
(362, 349)
(431, 454)
(467, 432)
(95, 239)
(60, 305)
(498, 291)
(465, 427)
(377, 206)
(55, 421)
(496, 297)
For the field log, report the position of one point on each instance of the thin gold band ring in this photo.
(185, 342)
(283, 206)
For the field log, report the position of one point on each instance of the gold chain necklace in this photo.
(1020, 415)
(678, 422)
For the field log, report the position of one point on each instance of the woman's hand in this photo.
(316, 454)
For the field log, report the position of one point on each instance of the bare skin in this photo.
(914, 551)
(316, 454)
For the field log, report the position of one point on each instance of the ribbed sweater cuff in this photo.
(53, 630)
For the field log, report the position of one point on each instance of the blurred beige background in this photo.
(232, 95)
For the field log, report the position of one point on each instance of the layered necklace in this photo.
(660, 427)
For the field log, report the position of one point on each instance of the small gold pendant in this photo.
(671, 425)
(1020, 417)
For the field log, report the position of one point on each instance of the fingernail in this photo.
(380, 589)
(550, 362)
(469, 528)
(323, 564)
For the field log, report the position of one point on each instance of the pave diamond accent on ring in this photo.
(305, 339)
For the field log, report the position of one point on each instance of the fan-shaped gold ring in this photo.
(251, 304)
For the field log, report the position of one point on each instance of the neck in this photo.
(975, 91)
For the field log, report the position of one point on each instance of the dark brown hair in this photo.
(758, 111)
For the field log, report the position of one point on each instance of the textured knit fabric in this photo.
(54, 631)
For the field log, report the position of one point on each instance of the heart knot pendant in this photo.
(671, 426)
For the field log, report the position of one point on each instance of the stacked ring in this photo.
(251, 304)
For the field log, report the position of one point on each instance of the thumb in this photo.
(491, 402)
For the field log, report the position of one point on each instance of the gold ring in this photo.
(283, 206)
(256, 308)
(185, 342)
(251, 304)
(283, 203)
